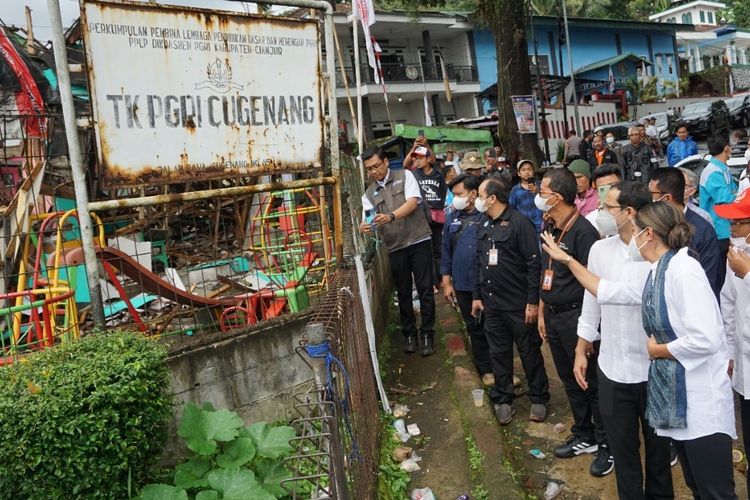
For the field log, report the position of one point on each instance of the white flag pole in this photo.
(358, 83)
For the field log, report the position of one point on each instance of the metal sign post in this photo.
(76, 162)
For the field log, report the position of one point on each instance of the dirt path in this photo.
(463, 448)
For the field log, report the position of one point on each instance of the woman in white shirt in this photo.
(689, 394)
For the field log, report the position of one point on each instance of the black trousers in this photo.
(707, 466)
(480, 349)
(745, 415)
(723, 251)
(623, 411)
(414, 263)
(437, 245)
(562, 337)
(503, 329)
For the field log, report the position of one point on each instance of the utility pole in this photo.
(570, 65)
(539, 91)
(76, 162)
(560, 42)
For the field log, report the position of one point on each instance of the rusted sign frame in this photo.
(224, 173)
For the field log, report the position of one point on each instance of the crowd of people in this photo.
(641, 292)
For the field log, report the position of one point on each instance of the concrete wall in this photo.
(254, 373)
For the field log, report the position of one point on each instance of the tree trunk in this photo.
(507, 19)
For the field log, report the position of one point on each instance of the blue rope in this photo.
(323, 351)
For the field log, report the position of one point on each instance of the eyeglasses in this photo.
(738, 222)
(607, 206)
(657, 193)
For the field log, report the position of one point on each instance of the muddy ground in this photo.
(465, 451)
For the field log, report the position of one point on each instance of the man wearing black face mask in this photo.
(507, 291)
(561, 298)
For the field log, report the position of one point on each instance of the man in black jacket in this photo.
(600, 154)
(638, 157)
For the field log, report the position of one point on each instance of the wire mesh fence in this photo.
(223, 262)
(338, 451)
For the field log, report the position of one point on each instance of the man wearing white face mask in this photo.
(735, 304)
(458, 267)
(507, 291)
(614, 146)
(623, 357)
(561, 298)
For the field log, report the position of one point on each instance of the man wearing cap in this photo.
(472, 164)
(433, 189)
(391, 207)
(587, 200)
(522, 195)
(735, 304)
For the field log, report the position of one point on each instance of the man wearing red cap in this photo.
(735, 303)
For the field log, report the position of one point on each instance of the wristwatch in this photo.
(568, 260)
(392, 216)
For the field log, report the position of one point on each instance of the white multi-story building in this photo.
(710, 41)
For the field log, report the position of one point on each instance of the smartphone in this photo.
(370, 215)
(420, 132)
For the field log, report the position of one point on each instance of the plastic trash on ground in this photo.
(413, 429)
(410, 465)
(400, 427)
(400, 411)
(553, 489)
(537, 454)
(422, 494)
(402, 453)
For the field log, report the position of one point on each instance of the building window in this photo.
(687, 18)
(703, 17)
(710, 17)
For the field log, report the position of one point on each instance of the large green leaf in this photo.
(237, 484)
(271, 442)
(190, 474)
(271, 473)
(236, 453)
(201, 428)
(163, 492)
(207, 495)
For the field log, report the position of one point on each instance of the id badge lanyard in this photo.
(549, 274)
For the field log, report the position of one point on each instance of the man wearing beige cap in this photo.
(472, 164)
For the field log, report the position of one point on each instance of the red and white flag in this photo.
(611, 81)
(379, 69)
(365, 12)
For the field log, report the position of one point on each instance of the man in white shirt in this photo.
(623, 357)
(735, 304)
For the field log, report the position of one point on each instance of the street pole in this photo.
(76, 162)
(566, 128)
(358, 83)
(539, 91)
(570, 65)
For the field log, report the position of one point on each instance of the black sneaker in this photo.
(574, 446)
(410, 344)
(603, 462)
(672, 455)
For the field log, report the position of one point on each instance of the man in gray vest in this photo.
(391, 206)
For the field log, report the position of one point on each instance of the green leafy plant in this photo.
(85, 419)
(230, 461)
(393, 481)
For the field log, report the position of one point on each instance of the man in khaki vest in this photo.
(391, 206)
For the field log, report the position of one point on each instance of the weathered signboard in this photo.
(180, 93)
